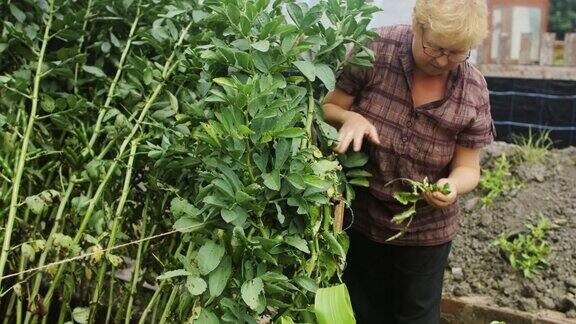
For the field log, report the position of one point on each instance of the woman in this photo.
(421, 111)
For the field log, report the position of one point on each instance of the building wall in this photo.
(507, 7)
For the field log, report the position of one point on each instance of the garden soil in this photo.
(476, 267)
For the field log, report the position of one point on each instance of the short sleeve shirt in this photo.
(416, 142)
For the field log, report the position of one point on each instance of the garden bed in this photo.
(476, 266)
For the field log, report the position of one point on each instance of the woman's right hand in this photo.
(354, 129)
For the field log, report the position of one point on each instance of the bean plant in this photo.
(178, 145)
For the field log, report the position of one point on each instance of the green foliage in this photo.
(527, 252)
(332, 305)
(562, 18)
(497, 181)
(533, 148)
(210, 110)
(412, 198)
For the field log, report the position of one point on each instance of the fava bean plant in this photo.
(179, 146)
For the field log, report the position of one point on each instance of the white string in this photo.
(84, 255)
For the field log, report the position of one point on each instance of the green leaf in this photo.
(218, 278)
(288, 43)
(209, 257)
(207, 317)
(261, 161)
(48, 104)
(181, 207)
(358, 173)
(94, 71)
(215, 201)
(406, 197)
(224, 81)
(272, 180)
(251, 291)
(196, 286)
(354, 159)
(35, 204)
(332, 305)
(307, 283)
(174, 273)
(279, 213)
(307, 68)
(334, 245)
(326, 74)
(105, 47)
(295, 12)
(163, 114)
(238, 214)
(243, 60)
(148, 76)
(115, 40)
(298, 242)
(262, 46)
(292, 132)
(80, 314)
(316, 182)
(297, 181)
(362, 182)
(17, 13)
(283, 151)
(321, 167)
(285, 320)
(233, 14)
(187, 224)
(198, 15)
(173, 102)
(224, 186)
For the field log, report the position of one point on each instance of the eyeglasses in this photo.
(436, 52)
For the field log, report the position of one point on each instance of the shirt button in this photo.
(409, 123)
(405, 139)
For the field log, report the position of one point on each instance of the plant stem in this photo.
(309, 118)
(168, 306)
(98, 125)
(119, 310)
(57, 222)
(168, 68)
(110, 295)
(8, 314)
(156, 294)
(76, 68)
(114, 230)
(152, 302)
(136, 272)
(24, 149)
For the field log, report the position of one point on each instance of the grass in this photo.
(533, 147)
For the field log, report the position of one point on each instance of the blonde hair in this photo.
(458, 22)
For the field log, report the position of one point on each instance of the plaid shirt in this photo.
(416, 142)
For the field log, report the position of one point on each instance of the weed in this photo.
(494, 182)
(527, 252)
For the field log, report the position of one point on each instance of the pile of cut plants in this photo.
(517, 242)
(167, 161)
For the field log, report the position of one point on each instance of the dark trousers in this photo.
(395, 284)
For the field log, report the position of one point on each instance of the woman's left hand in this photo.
(437, 199)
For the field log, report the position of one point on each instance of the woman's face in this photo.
(435, 56)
